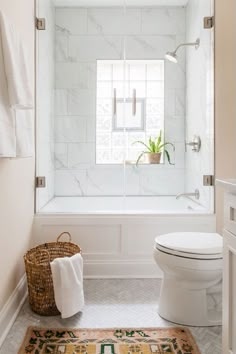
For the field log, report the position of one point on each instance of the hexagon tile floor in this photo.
(112, 303)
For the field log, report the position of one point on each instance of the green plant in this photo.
(155, 146)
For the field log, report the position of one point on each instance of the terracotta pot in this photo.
(154, 157)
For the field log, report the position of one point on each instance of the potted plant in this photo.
(154, 150)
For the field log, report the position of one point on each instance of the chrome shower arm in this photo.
(196, 44)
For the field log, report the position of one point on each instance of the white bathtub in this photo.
(123, 205)
(117, 234)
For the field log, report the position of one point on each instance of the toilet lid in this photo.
(191, 244)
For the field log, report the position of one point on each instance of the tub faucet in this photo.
(196, 194)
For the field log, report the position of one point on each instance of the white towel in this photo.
(16, 67)
(24, 133)
(67, 275)
(16, 95)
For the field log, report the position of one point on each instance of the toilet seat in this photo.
(193, 245)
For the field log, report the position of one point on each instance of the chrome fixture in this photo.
(208, 180)
(40, 182)
(40, 24)
(208, 22)
(195, 143)
(196, 194)
(172, 56)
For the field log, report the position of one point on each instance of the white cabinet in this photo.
(229, 293)
(229, 272)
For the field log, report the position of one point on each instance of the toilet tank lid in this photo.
(192, 242)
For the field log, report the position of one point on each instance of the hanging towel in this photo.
(67, 276)
(16, 67)
(16, 95)
(24, 133)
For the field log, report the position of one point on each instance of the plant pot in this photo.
(154, 157)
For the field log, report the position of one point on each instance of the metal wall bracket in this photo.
(208, 180)
(208, 22)
(195, 144)
(40, 24)
(40, 182)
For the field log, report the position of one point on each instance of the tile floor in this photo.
(112, 303)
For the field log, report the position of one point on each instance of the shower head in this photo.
(172, 56)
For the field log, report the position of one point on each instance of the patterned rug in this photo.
(175, 340)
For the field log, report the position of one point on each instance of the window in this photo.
(130, 107)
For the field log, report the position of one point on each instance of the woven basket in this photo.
(39, 275)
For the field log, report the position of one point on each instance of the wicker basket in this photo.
(39, 275)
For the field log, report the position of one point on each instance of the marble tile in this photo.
(45, 105)
(105, 180)
(151, 47)
(89, 48)
(77, 50)
(171, 21)
(61, 102)
(156, 182)
(90, 129)
(75, 75)
(112, 303)
(132, 183)
(199, 107)
(180, 102)
(73, 21)
(45, 158)
(70, 183)
(61, 47)
(81, 102)
(174, 76)
(169, 102)
(175, 129)
(61, 156)
(179, 155)
(81, 154)
(111, 21)
(70, 129)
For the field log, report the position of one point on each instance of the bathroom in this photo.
(103, 84)
(94, 188)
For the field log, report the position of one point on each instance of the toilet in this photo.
(191, 291)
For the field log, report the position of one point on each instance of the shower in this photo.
(172, 56)
(109, 85)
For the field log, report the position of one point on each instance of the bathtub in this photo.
(123, 205)
(117, 234)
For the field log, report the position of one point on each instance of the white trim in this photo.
(11, 309)
(121, 269)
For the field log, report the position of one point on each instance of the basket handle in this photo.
(44, 251)
(65, 232)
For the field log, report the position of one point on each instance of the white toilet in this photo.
(191, 291)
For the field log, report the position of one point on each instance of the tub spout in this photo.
(196, 194)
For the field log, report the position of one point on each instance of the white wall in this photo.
(200, 100)
(82, 36)
(16, 176)
(45, 101)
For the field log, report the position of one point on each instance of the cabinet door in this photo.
(229, 294)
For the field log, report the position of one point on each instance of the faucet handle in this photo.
(195, 143)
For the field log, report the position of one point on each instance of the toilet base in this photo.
(190, 307)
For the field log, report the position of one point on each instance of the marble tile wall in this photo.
(45, 102)
(200, 100)
(84, 35)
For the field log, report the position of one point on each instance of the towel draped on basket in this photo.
(63, 259)
(67, 276)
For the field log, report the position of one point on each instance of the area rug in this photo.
(175, 340)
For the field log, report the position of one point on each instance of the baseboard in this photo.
(121, 269)
(11, 309)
